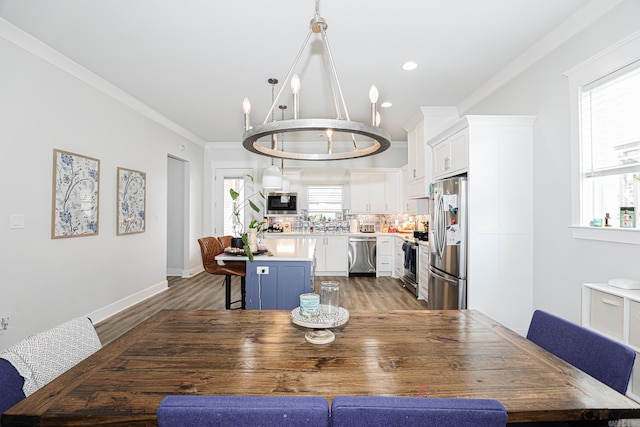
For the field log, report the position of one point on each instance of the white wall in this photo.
(45, 281)
(562, 263)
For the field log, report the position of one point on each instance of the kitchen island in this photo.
(332, 250)
(276, 279)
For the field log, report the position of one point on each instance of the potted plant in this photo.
(256, 228)
(240, 239)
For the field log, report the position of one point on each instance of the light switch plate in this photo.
(16, 221)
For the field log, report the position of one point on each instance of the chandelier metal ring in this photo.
(341, 124)
(379, 136)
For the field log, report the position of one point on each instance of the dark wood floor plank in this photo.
(206, 292)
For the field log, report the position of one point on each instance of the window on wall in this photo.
(605, 133)
(610, 147)
(325, 201)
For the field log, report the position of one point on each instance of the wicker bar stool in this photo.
(210, 247)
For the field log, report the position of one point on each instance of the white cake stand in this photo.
(320, 324)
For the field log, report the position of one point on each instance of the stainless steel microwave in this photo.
(282, 204)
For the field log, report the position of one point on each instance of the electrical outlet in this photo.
(262, 270)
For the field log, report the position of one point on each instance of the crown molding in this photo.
(577, 22)
(25, 41)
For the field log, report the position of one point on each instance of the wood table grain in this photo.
(393, 353)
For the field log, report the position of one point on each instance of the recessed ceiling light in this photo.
(408, 66)
(386, 104)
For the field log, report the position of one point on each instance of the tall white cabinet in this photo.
(496, 154)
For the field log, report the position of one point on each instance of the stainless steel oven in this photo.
(411, 267)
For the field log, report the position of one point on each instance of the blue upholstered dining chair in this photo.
(10, 386)
(242, 411)
(372, 411)
(608, 361)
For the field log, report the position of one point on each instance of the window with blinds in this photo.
(325, 200)
(610, 147)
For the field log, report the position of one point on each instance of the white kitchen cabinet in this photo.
(332, 252)
(416, 152)
(451, 155)
(408, 205)
(392, 191)
(293, 175)
(384, 256)
(332, 255)
(374, 191)
(417, 161)
(423, 273)
(499, 167)
(398, 257)
(615, 312)
(427, 123)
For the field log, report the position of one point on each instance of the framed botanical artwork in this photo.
(76, 186)
(131, 201)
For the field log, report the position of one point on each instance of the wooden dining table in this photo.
(457, 353)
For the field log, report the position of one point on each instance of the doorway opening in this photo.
(177, 217)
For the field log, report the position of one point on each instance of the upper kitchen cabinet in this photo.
(292, 176)
(375, 190)
(409, 205)
(428, 122)
(451, 155)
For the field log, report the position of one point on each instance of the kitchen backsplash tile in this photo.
(401, 222)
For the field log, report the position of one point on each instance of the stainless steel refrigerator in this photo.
(447, 288)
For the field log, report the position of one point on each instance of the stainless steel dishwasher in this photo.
(362, 255)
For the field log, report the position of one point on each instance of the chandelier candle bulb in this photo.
(295, 90)
(329, 140)
(373, 97)
(246, 109)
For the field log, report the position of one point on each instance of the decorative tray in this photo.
(322, 321)
(240, 251)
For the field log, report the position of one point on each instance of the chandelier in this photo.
(376, 140)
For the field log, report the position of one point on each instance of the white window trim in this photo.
(612, 59)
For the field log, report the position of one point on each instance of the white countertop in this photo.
(282, 249)
(332, 233)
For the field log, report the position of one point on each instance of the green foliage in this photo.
(237, 208)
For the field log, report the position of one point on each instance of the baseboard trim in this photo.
(116, 307)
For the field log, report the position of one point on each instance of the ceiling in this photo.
(194, 61)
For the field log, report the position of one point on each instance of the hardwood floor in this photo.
(206, 292)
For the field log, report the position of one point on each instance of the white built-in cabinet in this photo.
(451, 155)
(496, 154)
(384, 255)
(375, 191)
(615, 312)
